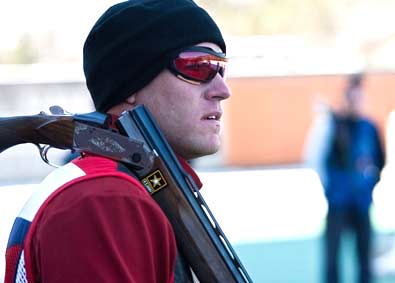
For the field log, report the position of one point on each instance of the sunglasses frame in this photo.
(221, 57)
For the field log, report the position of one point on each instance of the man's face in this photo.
(353, 101)
(188, 114)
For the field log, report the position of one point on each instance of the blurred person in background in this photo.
(349, 166)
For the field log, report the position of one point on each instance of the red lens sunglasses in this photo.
(197, 64)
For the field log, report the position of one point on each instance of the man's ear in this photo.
(126, 105)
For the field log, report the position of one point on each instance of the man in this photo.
(352, 168)
(91, 221)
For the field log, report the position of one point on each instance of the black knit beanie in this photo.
(131, 43)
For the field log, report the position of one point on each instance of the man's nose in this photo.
(218, 89)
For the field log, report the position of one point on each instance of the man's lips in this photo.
(213, 116)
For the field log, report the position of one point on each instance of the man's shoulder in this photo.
(103, 170)
(367, 123)
(91, 182)
(83, 174)
(93, 164)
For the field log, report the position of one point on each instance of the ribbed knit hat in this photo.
(131, 43)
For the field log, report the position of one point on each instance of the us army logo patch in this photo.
(154, 182)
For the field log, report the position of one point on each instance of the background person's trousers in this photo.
(359, 225)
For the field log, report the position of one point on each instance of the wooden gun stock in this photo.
(56, 131)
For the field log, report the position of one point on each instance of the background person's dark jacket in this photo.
(353, 164)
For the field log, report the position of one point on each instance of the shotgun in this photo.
(140, 145)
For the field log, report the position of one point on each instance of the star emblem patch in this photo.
(154, 182)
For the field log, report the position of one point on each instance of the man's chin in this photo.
(198, 147)
(208, 150)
